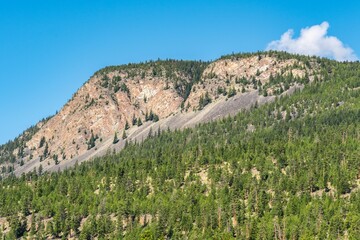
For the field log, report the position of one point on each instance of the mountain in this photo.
(161, 94)
(263, 146)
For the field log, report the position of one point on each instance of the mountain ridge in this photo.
(285, 167)
(116, 96)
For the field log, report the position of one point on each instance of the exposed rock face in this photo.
(99, 110)
(169, 91)
(243, 75)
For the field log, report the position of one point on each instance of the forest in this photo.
(288, 169)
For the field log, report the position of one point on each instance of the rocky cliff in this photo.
(130, 100)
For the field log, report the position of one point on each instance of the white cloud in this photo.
(314, 41)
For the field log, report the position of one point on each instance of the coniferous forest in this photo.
(289, 169)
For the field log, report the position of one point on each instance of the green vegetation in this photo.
(139, 122)
(151, 116)
(280, 83)
(116, 139)
(92, 141)
(7, 150)
(280, 55)
(134, 120)
(127, 126)
(183, 74)
(232, 92)
(124, 136)
(285, 170)
(42, 142)
(204, 100)
(46, 152)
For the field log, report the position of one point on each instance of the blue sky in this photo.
(49, 48)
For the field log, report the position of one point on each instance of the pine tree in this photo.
(18, 226)
(124, 135)
(116, 140)
(155, 118)
(55, 157)
(265, 93)
(147, 118)
(40, 170)
(46, 151)
(127, 126)
(42, 142)
(204, 100)
(134, 120)
(139, 122)
(232, 92)
(151, 115)
(91, 142)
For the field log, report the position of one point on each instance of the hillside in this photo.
(135, 98)
(286, 167)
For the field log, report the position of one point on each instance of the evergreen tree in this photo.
(204, 100)
(124, 135)
(91, 142)
(42, 142)
(134, 120)
(147, 116)
(18, 226)
(40, 170)
(155, 118)
(151, 115)
(46, 151)
(139, 122)
(127, 126)
(232, 92)
(116, 139)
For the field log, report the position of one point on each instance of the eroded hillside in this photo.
(130, 100)
(287, 169)
(266, 73)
